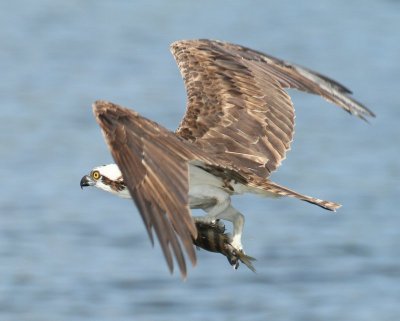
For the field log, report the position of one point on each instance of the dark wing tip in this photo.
(100, 106)
(358, 109)
(185, 42)
(108, 114)
(105, 114)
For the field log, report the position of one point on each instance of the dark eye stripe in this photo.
(115, 185)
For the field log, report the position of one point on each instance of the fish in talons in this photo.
(211, 236)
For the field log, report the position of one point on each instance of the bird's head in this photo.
(107, 178)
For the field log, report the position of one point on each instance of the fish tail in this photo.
(246, 260)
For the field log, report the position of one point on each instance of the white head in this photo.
(108, 178)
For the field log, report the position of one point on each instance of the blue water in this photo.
(67, 254)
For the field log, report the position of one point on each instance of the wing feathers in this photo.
(231, 88)
(153, 163)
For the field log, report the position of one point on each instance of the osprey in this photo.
(238, 126)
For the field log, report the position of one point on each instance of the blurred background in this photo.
(68, 254)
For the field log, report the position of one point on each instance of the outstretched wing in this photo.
(237, 108)
(153, 162)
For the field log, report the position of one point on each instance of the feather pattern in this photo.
(237, 107)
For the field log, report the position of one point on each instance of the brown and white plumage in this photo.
(237, 128)
(237, 105)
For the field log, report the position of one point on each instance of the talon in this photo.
(237, 245)
(219, 226)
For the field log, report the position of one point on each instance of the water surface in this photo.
(68, 254)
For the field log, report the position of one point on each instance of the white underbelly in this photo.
(203, 185)
(198, 176)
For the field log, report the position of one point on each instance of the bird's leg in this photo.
(211, 199)
(237, 219)
(217, 203)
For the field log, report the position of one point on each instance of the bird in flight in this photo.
(238, 126)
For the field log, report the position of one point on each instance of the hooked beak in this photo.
(87, 181)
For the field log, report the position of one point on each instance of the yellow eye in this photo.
(96, 175)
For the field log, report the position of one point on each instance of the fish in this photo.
(211, 237)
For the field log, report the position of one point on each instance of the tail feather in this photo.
(271, 187)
